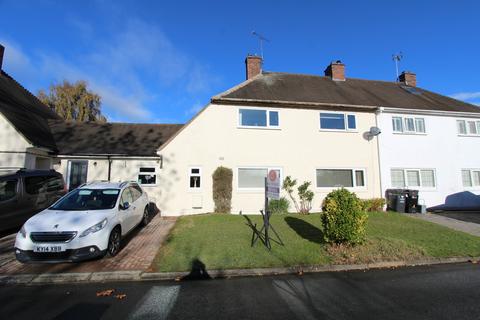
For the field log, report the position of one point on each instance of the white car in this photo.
(86, 223)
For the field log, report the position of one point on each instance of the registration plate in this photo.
(48, 248)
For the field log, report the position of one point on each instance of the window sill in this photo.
(338, 130)
(259, 128)
(147, 185)
(328, 189)
(469, 135)
(411, 133)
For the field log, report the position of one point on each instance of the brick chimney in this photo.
(253, 66)
(2, 50)
(408, 78)
(336, 71)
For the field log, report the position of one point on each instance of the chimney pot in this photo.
(253, 66)
(336, 71)
(408, 78)
(2, 50)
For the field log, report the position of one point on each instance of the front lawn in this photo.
(223, 242)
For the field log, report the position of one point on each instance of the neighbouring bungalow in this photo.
(334, 131)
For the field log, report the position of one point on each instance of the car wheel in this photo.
(146, 216)
(114, 242)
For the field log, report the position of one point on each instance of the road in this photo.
(433, 292)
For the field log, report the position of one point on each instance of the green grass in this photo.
(223, 242)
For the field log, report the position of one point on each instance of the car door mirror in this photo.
(125, 206)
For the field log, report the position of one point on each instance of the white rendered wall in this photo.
(213, 139)
(441, 148)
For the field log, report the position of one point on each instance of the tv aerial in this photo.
(397, 57)
(261, 39)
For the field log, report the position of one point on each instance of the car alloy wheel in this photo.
(114, 242)
(146, 216)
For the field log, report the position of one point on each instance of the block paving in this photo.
(138, 252)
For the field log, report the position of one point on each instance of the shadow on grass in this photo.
(305, 230)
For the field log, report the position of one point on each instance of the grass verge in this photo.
(223, 242)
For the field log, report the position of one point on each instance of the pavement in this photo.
(137, 255)
(459, 225)
(427, 292)
(468, 216)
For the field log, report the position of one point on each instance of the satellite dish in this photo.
(375, 131)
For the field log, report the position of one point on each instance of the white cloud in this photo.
(466, 95)
(14, 57)
(194, 109)
(131, 70)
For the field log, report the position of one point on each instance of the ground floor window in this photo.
(471, 177)
(411, 178)
(335, 178)
(147, 176)
(195, 178)
(254, 177)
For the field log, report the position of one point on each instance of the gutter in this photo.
(289, 104)
(432, 112)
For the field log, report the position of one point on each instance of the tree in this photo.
(73, 101)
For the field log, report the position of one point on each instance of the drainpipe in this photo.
(377, 113)
(109, 168)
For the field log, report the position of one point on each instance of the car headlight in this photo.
(23, 232)
(99, 226)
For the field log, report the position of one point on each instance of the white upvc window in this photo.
(411, 125)
(413, 178)
(253, 178)
(258, 118)
(468, 127)
(147, 176)
(471, 178)
(195, 178)
(338, 121)
(340, 177)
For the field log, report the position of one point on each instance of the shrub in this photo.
(222, 189)
(304, 194)
(279, 206)
(343, 219)
(306, 197)
(371, 205)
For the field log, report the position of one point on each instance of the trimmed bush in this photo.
(343, 219)
(372, 205)
(279, 206)
(222, 189)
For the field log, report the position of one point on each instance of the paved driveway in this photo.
(468, 216)
(139, 250)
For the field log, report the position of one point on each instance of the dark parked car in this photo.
(24, 193)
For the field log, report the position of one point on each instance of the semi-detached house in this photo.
(313, 128)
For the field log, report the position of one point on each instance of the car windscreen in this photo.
(88, 199)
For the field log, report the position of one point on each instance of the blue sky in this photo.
(155, 61)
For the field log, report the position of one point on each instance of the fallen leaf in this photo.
(177, 279)
(105, 293)
(121, 296)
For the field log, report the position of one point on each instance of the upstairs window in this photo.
(468, 127)
(337, 121)
(258, 118)
(195, 178)
(147, 176)
(408, 125)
